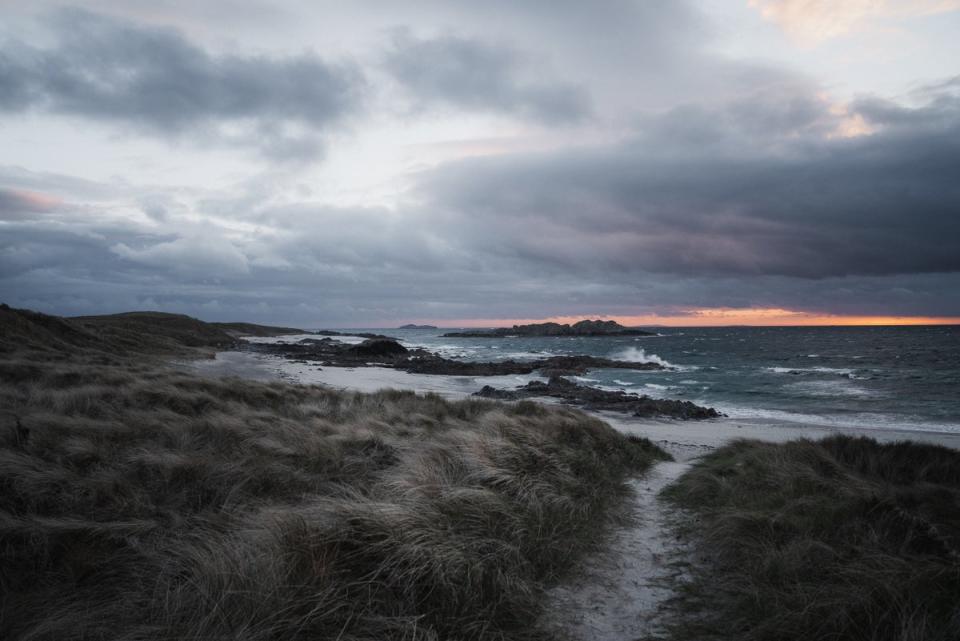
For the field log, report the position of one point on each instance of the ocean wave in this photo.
(654, 390)
(843, 371)
(856, 421)
(640, 355)
(829, 389)
(584, 379)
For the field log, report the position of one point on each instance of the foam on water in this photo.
(830, 389)
(289, 339)
(856, 421)
(584, 379)
(817, 370)
(639, 355)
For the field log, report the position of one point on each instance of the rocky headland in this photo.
(583, 328)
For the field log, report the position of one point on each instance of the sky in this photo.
(461, 163)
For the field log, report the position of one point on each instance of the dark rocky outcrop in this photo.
(412, 326)
(552, 366)
(378, 347)
(330, 332)
(583, 328)
(592, 398)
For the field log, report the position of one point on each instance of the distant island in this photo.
(583, 328)
(412, 326)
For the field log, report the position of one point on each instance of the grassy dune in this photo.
(843, 538)
(137, 502)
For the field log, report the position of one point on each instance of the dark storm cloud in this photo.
(715, 192)
(479, 76)
(154, 79)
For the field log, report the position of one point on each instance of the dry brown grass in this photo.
(141, 503)
(843, 538)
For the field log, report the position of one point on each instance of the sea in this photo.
(899, 378)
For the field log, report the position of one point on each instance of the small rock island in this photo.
(583, 328)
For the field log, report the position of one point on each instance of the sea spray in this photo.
(639, 355)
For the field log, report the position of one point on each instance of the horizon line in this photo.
(711, 317)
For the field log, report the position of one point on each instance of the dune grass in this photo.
(843, 538)
(137, 502)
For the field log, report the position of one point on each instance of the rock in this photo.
(592, 398)
(330, 332)
(582, 328)
(412, 326)
(378, 347)
(500, 394)
(428, 363)
(433, 364)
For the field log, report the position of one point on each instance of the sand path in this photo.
(620, 590)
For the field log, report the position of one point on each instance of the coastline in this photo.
(683, 439)
(581, 518)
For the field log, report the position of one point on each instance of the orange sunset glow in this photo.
(720, 317)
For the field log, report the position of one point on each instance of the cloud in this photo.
(20, 203)
(198, 257)
(701, 181)
(156, 81)
(702, 207)
(715, 193)
(479, 76)
(812, 21)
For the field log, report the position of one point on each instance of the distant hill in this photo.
(412, 326)
(249, 329)
(583, 328)
(22, 329)
(129, 333)
(154, 331)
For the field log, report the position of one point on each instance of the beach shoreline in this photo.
(683, 439)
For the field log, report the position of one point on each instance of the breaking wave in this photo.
(639, 355)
